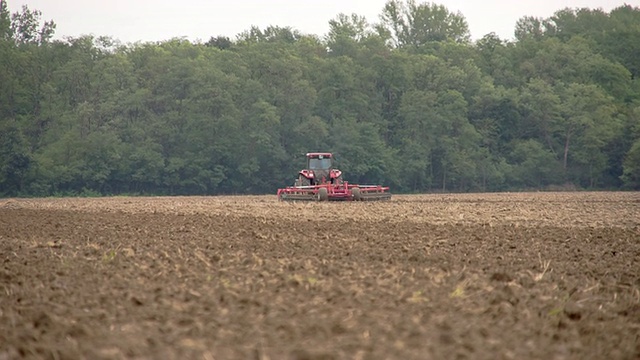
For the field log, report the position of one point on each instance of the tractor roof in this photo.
(324, 154)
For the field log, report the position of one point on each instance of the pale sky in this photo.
(157, 20)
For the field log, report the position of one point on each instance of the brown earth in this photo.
(482, 276)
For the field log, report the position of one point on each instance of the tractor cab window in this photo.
(319, 163)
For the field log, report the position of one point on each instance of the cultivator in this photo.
(321, 182)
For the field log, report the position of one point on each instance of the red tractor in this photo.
(320, 181)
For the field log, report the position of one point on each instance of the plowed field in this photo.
(480, 276)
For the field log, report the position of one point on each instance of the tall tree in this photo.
(530, 28)
(584, 107)
(27, 28)
(15, 160)
(345, 32)
(415, 24)
(5, 22)
(533, 166)
(631, 174)
(541, 107)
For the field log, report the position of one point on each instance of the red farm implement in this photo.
(321, 182)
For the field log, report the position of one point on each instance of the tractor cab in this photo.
(319, 170)
(319, 161)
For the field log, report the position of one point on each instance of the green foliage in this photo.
(413, 24)
(345, 34)
(534, 166)
(5, 22)
(408, 102)
(26, 26)
(15, 160)
(631, 163)
(631, 174)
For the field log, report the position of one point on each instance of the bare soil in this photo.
(476, 276)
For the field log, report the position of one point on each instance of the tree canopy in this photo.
(408, 101)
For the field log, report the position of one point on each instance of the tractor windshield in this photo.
(319, 164)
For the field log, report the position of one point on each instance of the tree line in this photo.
(409, 101)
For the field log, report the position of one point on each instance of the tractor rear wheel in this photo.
(323, 194)
(302, 181)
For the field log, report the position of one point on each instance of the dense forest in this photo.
(408, 101)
